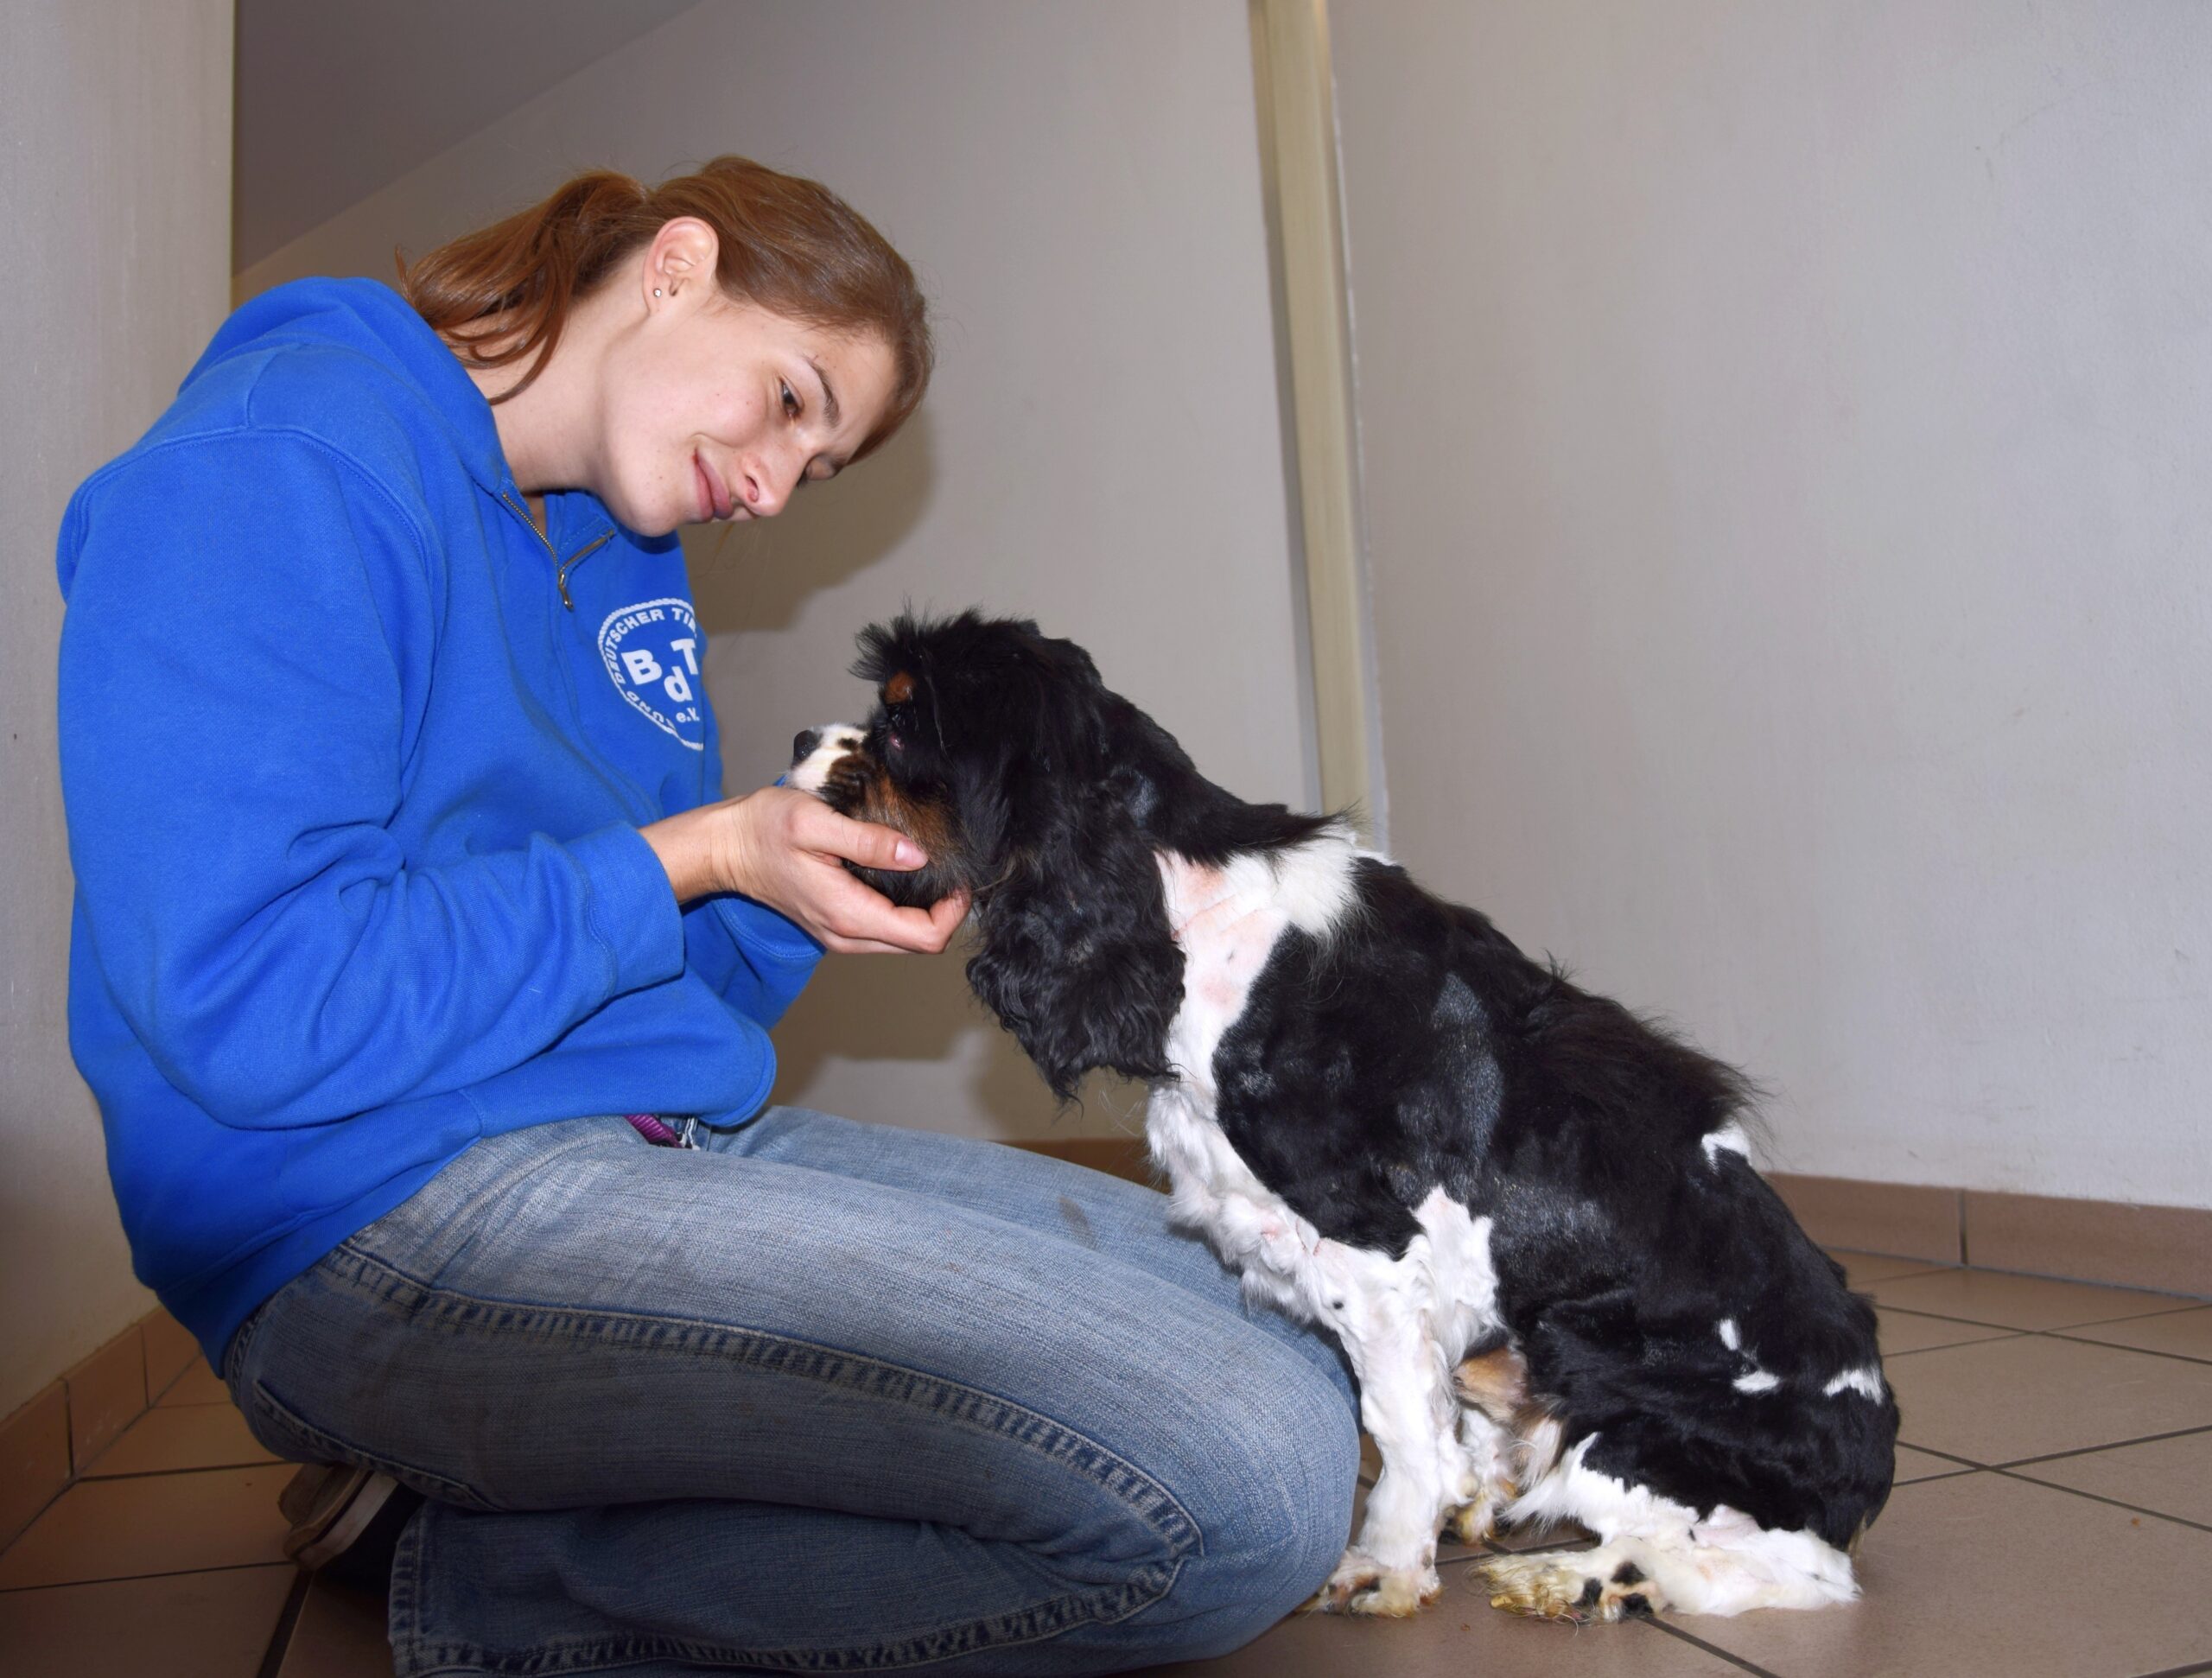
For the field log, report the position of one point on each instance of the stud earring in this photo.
(656, 291)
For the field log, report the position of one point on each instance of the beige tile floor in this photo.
(2053, 1515)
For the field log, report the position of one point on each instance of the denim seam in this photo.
(1029, 1625)
(329, 1447)
(1138, 1492)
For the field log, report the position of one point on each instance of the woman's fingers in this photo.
(868, 843)
(856, 919)
(788, 849)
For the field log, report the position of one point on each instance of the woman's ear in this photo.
(1077, 959)
(679, 263)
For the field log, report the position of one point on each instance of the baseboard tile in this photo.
(107, 1392)
(2167, 1249)
(50, 1442)
(1904, 1220)
(33, 1458)
(171, 1350)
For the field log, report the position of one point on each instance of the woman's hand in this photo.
(786, 850)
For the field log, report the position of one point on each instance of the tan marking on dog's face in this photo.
(859, 786)
(899, 689)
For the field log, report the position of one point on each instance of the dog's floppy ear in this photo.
(1077, 959)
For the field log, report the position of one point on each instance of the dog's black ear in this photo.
(1077, 959)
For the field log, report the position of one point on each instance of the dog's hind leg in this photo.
(1493, 1387)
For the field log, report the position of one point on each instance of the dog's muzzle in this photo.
(815, 752)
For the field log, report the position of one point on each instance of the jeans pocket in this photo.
(284, 1430)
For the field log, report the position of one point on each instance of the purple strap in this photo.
(649, 1126)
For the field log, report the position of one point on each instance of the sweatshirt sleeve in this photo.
(238, 698)
(757, 961)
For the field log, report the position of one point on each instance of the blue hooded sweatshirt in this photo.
(353, 798)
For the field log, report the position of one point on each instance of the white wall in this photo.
(1079, 188)
(115, 170)
(1786, 431)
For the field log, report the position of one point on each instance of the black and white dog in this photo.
(1529, 1218)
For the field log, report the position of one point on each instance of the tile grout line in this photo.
(2114, 1345)
(2005, 1332)
(2048, 1328)
(2179, 1672)
(2189, 1302)
(1713, 1649)
(196, 1468)
(1961, 1345)
(76, 1476)
(1947, 1456)
(2092, 1450)
(125, 1578)
(288, 1621)
(2094, 1498)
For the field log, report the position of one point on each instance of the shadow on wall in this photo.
(918, 1008)
(860, 1020)
(755, 576)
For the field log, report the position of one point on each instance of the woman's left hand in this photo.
(788, 849)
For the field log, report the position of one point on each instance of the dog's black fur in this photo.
(1415, 1046)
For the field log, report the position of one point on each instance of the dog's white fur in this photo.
(1406, 1323)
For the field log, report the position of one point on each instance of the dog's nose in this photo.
(802, 744)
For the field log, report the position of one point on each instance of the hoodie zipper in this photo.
(562, 567)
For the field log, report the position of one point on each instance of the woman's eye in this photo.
(791, 399)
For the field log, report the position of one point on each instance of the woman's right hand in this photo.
(787, 849)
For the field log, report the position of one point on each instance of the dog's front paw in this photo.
(1579, 1586)
(1361, 1585)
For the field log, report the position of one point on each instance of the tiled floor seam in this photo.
(2058, 1331)
(1713, 1649)
(2095, 1497)
(2002, 1335)
(2178, 1672)
(1967, 1462)
(78, 1476)
(1901, 1276)
(164, 1473)
(2113, 1345)
(288, 1621)
(2182, 1301)
(2092, 1450)
(125, 1578)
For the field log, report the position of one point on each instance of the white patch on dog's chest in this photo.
(1227, 921)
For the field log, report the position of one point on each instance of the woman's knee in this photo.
(1275, 1508)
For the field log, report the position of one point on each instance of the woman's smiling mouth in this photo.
(713, 500)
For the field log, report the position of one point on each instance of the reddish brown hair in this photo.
(789, 245)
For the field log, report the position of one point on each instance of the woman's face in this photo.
(711, 410)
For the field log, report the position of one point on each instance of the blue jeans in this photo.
(817, 1397)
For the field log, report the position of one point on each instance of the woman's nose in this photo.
(768, 482)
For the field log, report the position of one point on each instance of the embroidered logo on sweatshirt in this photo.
(651, 650)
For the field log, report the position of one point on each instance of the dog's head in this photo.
(1034, 789)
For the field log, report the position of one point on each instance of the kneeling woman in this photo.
(404, 873)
